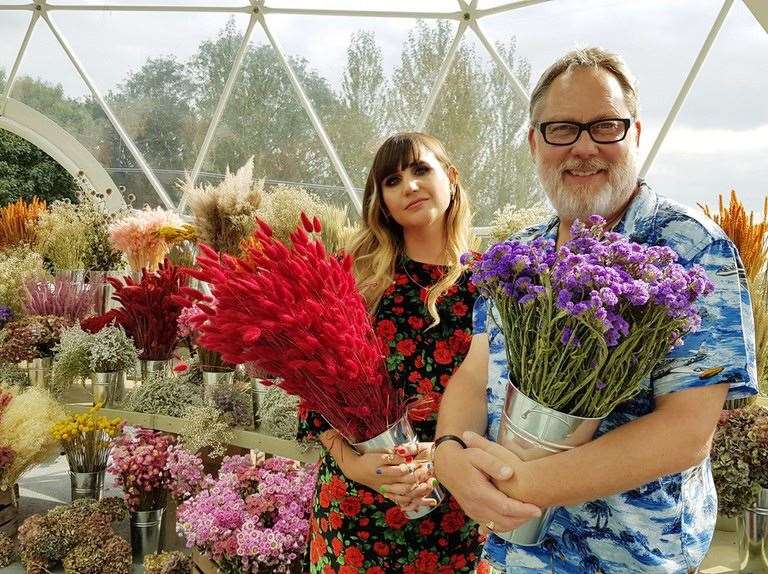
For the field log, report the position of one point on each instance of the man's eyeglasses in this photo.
(610, 130)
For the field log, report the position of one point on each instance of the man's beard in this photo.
(573, 202)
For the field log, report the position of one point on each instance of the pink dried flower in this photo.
(138, 237)
(63, 298)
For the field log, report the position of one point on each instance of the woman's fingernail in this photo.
(434, 482)
(383, 489)
(409, 459)
(505, 471)
(400, 450)
(429, 466)
(378, 471)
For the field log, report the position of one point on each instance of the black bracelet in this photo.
(447, 437)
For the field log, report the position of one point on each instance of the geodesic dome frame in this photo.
(466, 13)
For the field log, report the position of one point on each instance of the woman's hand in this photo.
(399, 478)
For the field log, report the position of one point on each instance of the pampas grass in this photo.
(26, 425)
(511, 219)
(138, 236)
(284, 205)
(224, 212)
(18, 222)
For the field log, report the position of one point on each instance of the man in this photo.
(640, 497)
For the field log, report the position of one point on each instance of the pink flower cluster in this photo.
(185, 473)
(139, 465)
(253, 518)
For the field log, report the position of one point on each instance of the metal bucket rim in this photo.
(553, 447)
(546, 408)
(388, 429)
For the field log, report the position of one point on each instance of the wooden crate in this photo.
(9, 511)
(203, 564)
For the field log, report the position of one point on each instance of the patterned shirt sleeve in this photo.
(723, 349)
(480, 316)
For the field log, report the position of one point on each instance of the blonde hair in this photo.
(379, 243)
(597, 58)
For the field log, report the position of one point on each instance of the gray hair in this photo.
(597, 58)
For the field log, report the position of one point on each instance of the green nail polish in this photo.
(383, 489)
(434, 483)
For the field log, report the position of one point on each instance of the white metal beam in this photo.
(110, 115)
(313, 117)
(146, 8)
(759, 9)
(221, 105)
(11, 79)
(501, 62)
(365, 13)
(441, 76)
(508, 7)
(686, 87)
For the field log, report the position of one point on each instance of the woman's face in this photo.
(419, 194)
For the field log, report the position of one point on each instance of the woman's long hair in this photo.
(379, 243)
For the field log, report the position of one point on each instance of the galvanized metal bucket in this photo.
(752, 537)
(399, 433)
(146, 533)
(86, 484)
(108, 388)
(532, 431)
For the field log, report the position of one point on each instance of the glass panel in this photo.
(13, 26)
(719, 141)
(370, 5)
(658, 43)
(264, 119)
(49, 83)
(165, 102)
(371, 78)
(482, 121)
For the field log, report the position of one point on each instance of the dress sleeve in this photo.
(311, 426)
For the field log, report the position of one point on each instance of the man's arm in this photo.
(464, 408)
(675, 436)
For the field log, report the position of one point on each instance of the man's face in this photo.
(586, 178)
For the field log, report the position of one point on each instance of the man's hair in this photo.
(597, 58)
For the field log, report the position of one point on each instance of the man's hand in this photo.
(498, 455)
(473, 489)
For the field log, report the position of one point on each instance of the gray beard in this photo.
(579, 202)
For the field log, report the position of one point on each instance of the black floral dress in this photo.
(355, 530)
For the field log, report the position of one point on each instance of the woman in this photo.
(416, 225)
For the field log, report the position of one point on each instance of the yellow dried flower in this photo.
(26, 424)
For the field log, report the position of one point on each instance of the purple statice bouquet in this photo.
(585, 323)
(253, 518)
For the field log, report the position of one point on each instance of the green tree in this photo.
(27, 171)
(361, 119)
(263, 117)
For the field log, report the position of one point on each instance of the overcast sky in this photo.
(719, 141)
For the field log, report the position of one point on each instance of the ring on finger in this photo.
(490, 525)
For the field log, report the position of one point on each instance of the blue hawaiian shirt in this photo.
(665, 526)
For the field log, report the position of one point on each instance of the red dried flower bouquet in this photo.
(150, 309)
(296, 313)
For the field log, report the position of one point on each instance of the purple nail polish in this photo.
(378, 471)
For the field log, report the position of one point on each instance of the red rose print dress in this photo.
(354, 529)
